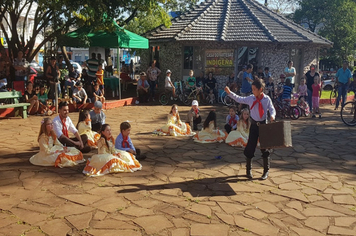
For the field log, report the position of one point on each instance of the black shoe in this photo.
(266, 166)
(141, 157)
(249, 174)
(248, 168)
(319, 116)
(313, 116)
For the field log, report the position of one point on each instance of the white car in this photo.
(328, 84)
(76, 66)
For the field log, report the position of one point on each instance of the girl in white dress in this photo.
(109, 159)
(210, 133)
(239, 137)
(52, 152)
(174, 126)
(84, 127)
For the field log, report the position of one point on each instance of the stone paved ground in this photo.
(182, 189)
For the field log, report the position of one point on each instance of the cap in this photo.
(195, 103)
(98, 104)
(168, 71)
(143, 74)
(79, 84)
(244, 67)
(282, 76)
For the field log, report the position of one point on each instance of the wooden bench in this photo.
(15, 96)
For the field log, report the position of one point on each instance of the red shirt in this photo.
(316, 89)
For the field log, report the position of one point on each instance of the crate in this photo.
(275, 135)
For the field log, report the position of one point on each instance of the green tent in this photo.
(85, 37)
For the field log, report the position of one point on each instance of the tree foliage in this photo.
(333, 19)
(53, 18)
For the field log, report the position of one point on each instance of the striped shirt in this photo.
(92, 65)
(266, 104)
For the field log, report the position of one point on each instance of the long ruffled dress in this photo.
(175, 127)
(239, 137)
(210, 135)
(110, 160)
(84, 127)
(52, 154)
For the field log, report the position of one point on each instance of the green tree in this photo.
(53, 18)
(311, 12)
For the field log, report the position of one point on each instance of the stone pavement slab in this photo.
(182, 189)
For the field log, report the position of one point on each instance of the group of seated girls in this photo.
(237, 128)
(112, 156)
(38, 99)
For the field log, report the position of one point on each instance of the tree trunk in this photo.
(65, 56)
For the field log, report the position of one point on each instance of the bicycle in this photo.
(333, 95)
(193, 95)
(348, 113)
(167, 95)
(284, 109)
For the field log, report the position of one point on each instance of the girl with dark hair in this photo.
(52, 152)
(84, 127)
(174, 126)
(210, 133)
(109, 159)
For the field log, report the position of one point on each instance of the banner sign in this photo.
(219, 58)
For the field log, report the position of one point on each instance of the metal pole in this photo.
(56, 96)
(118, 70)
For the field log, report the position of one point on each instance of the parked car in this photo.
(75, 65)
(36, 66)
(328, 84)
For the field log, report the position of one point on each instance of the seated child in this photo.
(168, 83)
(123, 141)
(239, 137)
(31, 97)
(80, 96)
(211, 96)
(84, 127)
(304, 106)
(98, 95)
(193, 117)
(52, 152)
(210, 133)
(97, 117)
(100, 78)
(43, 101)
(109, 159)
(231, 120)
(174, 126)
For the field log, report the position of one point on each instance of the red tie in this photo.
(64, 129)
(196, 111)
(124, 141)
(232, 121)
(260, 108)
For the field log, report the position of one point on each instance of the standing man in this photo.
(62, 125)
(343, 79)
(247, 81)
(290, 72)
(21, 67)
(153, 72)
(53, 74)
(92, 65)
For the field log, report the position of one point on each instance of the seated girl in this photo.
(52, 152)
(31, 97)
(84, 127)
(239, 137)
(174, 126)
(210, 133)
(43, 101)
(109, 159)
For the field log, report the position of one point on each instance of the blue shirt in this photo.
(287, 92)
(118, 143)
(228, 119)
(246, 85)
(266, 104)
(343, 75)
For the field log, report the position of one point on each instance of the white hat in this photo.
(168, 71)
(195, 103)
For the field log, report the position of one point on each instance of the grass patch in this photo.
(326, 94)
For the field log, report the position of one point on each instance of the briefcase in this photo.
(275, 135)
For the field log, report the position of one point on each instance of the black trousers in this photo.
(96, 127)
(252, 142)
(228, 128)
(84, 138)
(196, 121)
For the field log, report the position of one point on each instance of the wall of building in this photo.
(273, 56)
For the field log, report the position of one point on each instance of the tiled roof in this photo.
(233, 21)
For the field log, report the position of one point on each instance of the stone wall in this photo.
(273, 56)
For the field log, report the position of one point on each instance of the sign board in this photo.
(219, 61)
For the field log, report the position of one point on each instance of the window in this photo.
(188, 58)
(86, 57)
